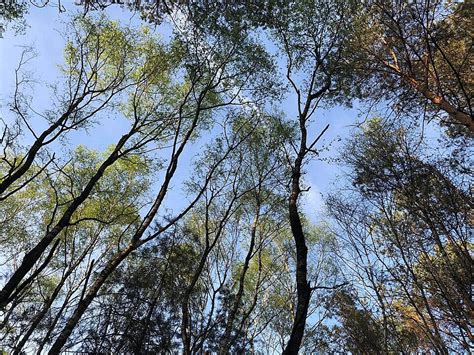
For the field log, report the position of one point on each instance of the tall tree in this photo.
(411, 240)
(420, 56)
(311, 37)
(94, 64)
(218, 75)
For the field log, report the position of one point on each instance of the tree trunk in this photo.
(303, 288)
(186, 328)
(227, 341)
(34, 255)
(89, 297)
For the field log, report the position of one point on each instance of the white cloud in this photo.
(313, 203)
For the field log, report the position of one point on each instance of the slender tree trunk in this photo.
(34, 255)
(439, 101)
(38, 318)
(186, 315)
(89, 297)
(52, 325)
(303, 288)
(186, 328)
(33, 152)
(227, 341)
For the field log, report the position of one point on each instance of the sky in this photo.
(44, 32)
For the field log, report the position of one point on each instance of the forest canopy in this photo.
(159, 183)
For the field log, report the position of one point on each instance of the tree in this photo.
(95, 227)
(415, 218)
(94, 78)
(418, 55)
(312, 42)
(150, 246)
(218, 76)
(165, 107)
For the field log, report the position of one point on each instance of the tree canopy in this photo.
(190, 231)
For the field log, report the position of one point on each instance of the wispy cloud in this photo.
(313, 203)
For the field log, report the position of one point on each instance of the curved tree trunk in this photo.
(34, 255)
(89, 297)
(439, 101)
(303, 288)
(227, 339)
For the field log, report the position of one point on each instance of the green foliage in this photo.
(358, 331)
(106, 52)
(222, 270)
(13, 11)
(115, 200)
(406, 229)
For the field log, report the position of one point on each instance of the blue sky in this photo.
(44, 35)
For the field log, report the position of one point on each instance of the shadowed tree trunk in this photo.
(303, 287)
(34, 255)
